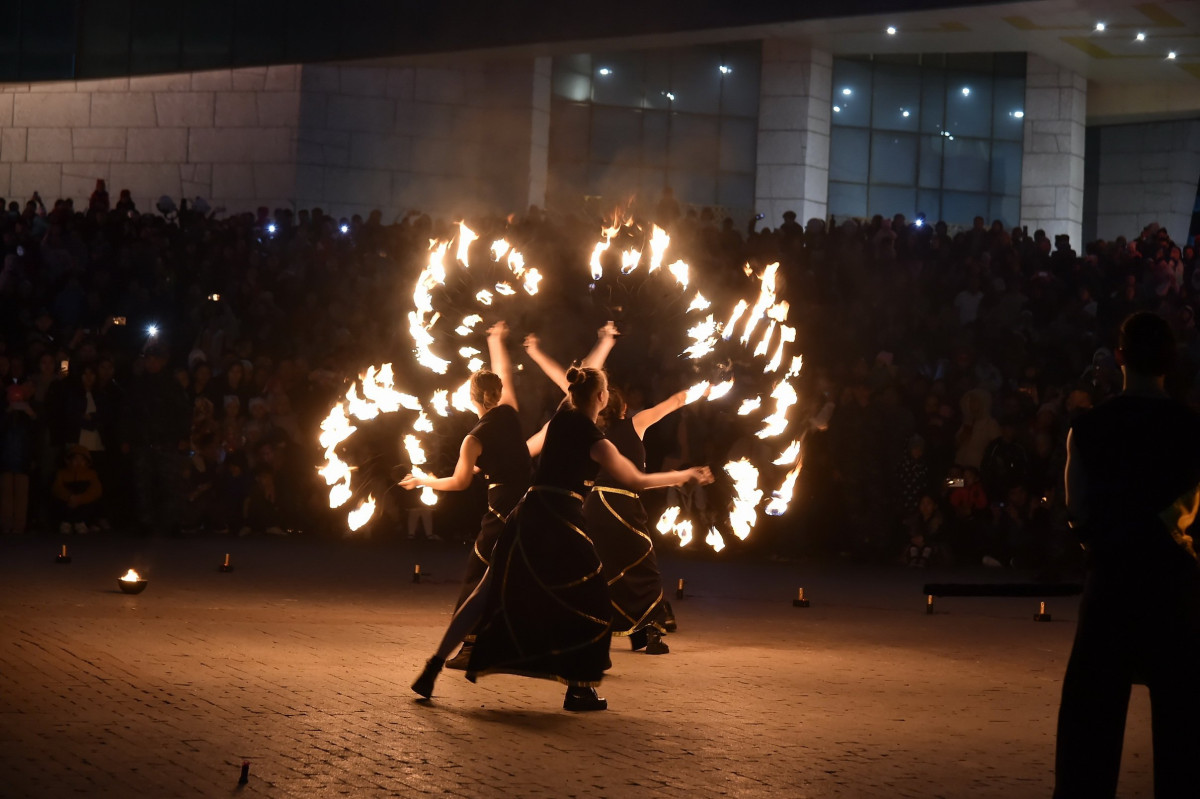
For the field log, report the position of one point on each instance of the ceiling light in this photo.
(847, 92)
(904, 114)
(725, 70)
(891, 30)
(1171, 56)
(1141, 37)
(966, 91)
(837, 109)
(605, 71)
(1099, 27)
(670, 97)
(1018, 114)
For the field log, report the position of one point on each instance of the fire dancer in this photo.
(1133, 490)
(543, 608)
(497, 448)
(617, 521)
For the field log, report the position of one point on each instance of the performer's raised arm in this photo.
(642, 420)
(501, 363)
(606, 337)
(553, 369)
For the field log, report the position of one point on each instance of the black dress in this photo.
(617, 523)
(547, 612)
(506, 465)
(1139, 617)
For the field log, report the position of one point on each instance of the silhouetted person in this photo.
(1133, 489)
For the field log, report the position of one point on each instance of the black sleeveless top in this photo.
(624, 437)
(1139, 454)
(505, 458)
(566, 461)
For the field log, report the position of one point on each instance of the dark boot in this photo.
(637, 640)
(654, 642)
(583, 699)
(669, 624)
(463, 657)
(424, 683)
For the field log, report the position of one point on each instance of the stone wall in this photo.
(1052, 161)
(227, 135)
(1147, 173)
(449, 139)
(793, 131)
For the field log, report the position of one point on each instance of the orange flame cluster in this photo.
(759, 326)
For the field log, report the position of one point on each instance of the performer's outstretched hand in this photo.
(609, 331)
(532, 342)
(409, 482)
(701, 474)
(498, 330)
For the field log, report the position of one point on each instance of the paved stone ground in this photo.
(299, 661)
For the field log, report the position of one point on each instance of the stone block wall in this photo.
(457, 138)
(793, 131)
(1053, 157)
(227, 136)
(1147, 173)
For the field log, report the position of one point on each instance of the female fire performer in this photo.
(617, 522)
(543, 608)
(496, 447)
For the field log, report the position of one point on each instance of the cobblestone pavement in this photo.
(299, 662)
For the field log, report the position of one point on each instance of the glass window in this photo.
(735, 191)
(696, 80)
(969, 104)
(1008, 109)
(847, 199)
(570, 125)
(852, 93)
(654, 138)
(1005, 208)
(616, 135)
(890, 200)
(740, 81)
(739, 140)
(617, 79)
(929, 175)
(929, 203)
(896, 98)
(959, 208)
(1006, 167)
(893, 158)
(693, 142)
(965, 164)
(849, 155)
(699, 186)
(933, 101)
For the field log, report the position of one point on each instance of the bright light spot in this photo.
(605, 71)
(725, 70)
(847, 92)
(966, 91)
(152, 331)
(345, 228)
(904, 114)
(919, 222)
(271, 228)
(1018, 114)
(1171, 56)
(1141, 37)
(837, 109)
(1100, 27)
(891, 30)
(670, 96)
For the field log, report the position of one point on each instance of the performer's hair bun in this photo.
(576, 375)
(486, 388)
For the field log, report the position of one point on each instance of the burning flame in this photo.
(789, 455)
(504, 290)
(699, 303)
(465, 237)
(714, 540)
(362, 514)
(695, 392)
(746, 496)
(720, 390)
(680, 270)
(468, 324)
(785, 397)
(131, 577)
(499, 248)
(659, 241)
(629, 261)
(750, 406)
(484, 297)
(779, 499)
(532, 278)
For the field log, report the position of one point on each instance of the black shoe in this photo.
(583, 699)
(637, 640)
(424, 683)
(459, 662)
(654, 643)
(669, 623)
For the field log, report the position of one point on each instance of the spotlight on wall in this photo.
(837, 109)
(966, 91)
(891, 30)
(904, 114)
(725, 70)
(1100, 27)
(604, 71)
(847, 92)
(1018, 114)
(1141, 37)
(1171, 56)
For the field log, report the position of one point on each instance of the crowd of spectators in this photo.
(167, 371)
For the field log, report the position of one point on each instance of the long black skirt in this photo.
(618, 526)
(547, 609)
(502, 498)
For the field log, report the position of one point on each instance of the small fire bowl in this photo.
(132, 586)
